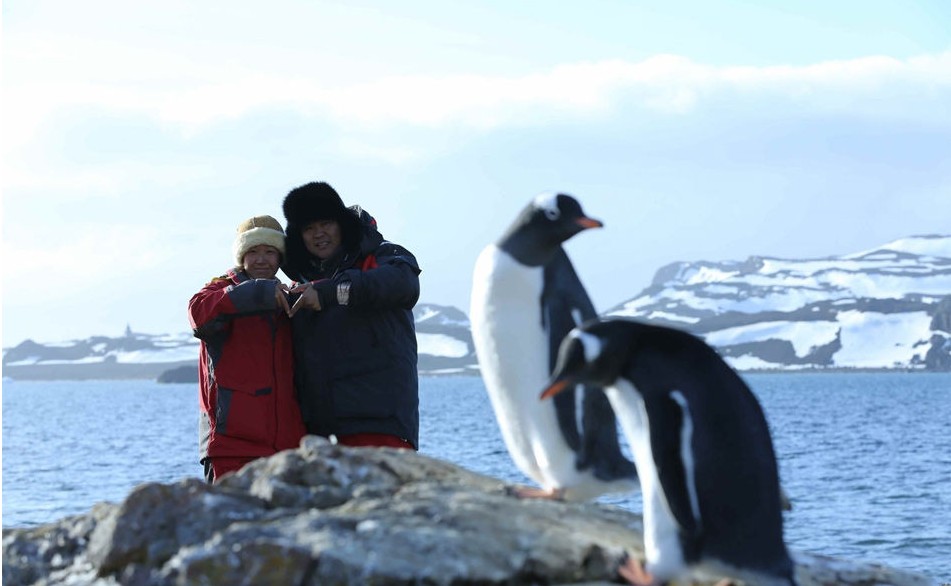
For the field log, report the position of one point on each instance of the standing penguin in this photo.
(526, 297)
(708, 472)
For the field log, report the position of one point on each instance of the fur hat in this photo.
(255, 232)
(319, 201)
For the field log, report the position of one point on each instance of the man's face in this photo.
(262, 262)
(322, 238)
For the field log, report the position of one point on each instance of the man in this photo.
(248, 404)
(354, 334)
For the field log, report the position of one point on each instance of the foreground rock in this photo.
(330, 515)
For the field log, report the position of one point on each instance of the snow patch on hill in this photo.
(879, 308)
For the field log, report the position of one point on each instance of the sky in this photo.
(137, 135)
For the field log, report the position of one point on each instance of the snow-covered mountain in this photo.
(442, 333)
(444, 340)
(130, 356)
(887, 308)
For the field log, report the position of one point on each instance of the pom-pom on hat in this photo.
(255, 232)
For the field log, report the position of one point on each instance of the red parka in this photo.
(246, 369)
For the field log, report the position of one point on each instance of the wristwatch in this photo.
(343, 293)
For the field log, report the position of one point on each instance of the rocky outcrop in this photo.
(181, 374)
(938, 357)
(329, 515)
(939, 353)
(941, 320)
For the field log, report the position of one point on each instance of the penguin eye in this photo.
(552, 213)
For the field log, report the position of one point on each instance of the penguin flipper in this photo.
(565, 306)
(600, 448)
(667, 419)
(565, 303)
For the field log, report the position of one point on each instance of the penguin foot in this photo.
(634, 572)
(530, 492)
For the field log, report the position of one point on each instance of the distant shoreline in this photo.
(94, 371)
(113, 371)
(842, 370)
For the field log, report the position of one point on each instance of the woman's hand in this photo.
(280, 297)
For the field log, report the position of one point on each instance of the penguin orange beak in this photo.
(555, 388)
(586, 223)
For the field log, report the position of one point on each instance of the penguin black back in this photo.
(707, 434)
(736, 470)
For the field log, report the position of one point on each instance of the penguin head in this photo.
(543, 225)
(592, 353)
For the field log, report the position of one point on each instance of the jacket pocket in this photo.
(247, 415)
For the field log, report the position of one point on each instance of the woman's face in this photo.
(262, 262)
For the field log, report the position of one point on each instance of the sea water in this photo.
(864, 457)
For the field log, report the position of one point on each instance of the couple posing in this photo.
(334, 355)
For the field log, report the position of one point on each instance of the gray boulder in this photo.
(330, 515)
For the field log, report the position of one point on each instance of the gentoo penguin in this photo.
(526, 297)
(704, 456)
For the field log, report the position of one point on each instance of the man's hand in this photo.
(308, 298)
(316, 295)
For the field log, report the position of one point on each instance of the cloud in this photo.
(874, 86)
(579, 127)
(191, 96)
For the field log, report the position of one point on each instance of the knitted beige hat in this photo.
(256, 231)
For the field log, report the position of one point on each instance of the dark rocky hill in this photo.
(442, 332)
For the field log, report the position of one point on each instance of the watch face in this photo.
(343, 293)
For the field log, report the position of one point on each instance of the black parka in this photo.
(356, 364)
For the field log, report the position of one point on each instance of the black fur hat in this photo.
(319, 201)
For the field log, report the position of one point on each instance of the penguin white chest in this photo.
(661, 542)
(512, 347)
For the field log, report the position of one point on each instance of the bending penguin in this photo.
(526, 297)
(707, 468)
